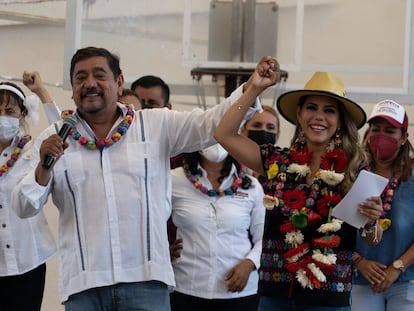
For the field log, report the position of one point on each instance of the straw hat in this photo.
(321, 83)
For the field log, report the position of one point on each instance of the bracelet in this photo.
(356, 262)
(368, 230)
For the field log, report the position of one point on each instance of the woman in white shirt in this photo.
(219, 215)
(25, 244)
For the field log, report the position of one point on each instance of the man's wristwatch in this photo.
(399, 265)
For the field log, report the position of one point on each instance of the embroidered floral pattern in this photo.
(304, 206)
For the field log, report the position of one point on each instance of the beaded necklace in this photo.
(386, 197)
(100, 144)
(15, 155)
(195, 180)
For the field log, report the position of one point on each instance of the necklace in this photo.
(15, 155)
(386, 197)
(102, 143)
(301, 206)
(195, 180)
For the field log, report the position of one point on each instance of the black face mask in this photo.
(262, 137)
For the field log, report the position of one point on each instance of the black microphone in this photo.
(68, 123)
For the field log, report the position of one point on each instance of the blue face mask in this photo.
(262, 137)
(9, 127)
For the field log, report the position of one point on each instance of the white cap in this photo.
(390, 111)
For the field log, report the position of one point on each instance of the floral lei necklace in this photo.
(386, 197)
(304, 206)
(102, 143)
(15, 155)
(195, 180)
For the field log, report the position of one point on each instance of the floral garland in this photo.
(15, 154)
(102, 143)
(309, 260)
(195, 180)
(386, 197)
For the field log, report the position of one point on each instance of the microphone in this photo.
(68, 123)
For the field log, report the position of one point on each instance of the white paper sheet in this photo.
(366, 185)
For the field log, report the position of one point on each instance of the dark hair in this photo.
(88, 52)
(152, 81)
(6, 95)
(191, 161)
(128, 92)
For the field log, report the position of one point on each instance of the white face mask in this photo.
(215, 153)
(9, 127)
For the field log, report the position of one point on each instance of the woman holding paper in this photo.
(306, 259)
(385, 273)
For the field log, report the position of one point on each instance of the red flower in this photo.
(312, 278)
(287, 227)
(327, 202)
(334, 160)
(331, 241)
(325, 268)
(296, 251)
(313, 218)
(294, 199)
(295, 266)
(302, 156)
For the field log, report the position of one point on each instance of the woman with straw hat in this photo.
(306, 261)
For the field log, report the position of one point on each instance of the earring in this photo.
(301, 139)
(338, 138)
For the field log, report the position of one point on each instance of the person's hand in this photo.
(52, 146)
(32, 80)
(372, 209)
(175, 249)
(372, 271)
(237, 277)
(391, 275)
(266, 73)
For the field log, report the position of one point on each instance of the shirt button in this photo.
(3, 225)
(8, 245)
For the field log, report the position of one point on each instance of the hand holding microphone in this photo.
(68, 123)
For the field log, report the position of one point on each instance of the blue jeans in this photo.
(399, 297)
(284, 304)
(142, 296)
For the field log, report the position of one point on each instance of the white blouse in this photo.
(215, 233)
(24, 243)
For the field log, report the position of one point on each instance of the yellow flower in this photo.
(385, 223)
(273, 170)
